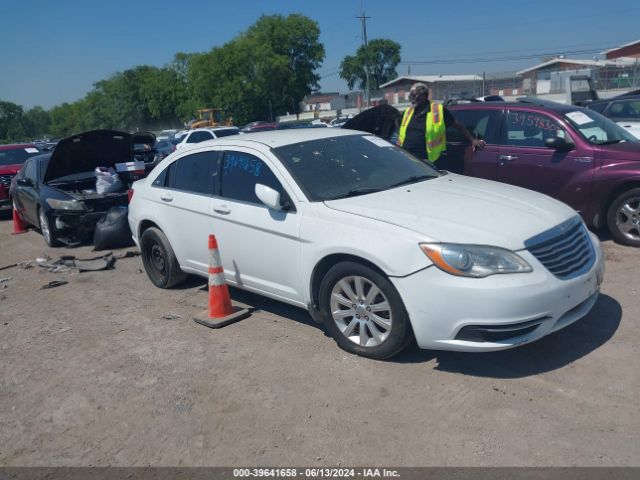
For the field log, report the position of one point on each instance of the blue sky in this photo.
(53, 52)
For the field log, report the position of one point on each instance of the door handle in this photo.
(166, 197)
(508, 158)
(222, 209)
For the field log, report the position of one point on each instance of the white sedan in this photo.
(378, 246)
(203, 134)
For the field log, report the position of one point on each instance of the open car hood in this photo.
(382, 121)
(143, 141)
(86, 151)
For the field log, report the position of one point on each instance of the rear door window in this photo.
(240, 173)
(482, 124)
(196, 173)
(161, 180)
(531, 129)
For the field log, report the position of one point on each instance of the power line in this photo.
(450, 60)
(524, 50)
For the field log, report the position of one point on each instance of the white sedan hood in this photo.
(459, 209)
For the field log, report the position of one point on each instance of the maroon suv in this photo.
(575, 155)
(11, 159)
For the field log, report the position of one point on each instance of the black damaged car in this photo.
(56, 192)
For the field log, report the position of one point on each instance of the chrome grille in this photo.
(565, 250)
(5, 180)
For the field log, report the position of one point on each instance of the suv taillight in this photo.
(130, 194)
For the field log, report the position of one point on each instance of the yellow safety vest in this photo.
(434, 132)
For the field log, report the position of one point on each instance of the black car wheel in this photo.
(363, 312)
(158, 259)
(623, 218)
(46, 230)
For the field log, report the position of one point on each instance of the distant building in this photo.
(629, 50)
(441, 87)
(322, 101)
(538, 79)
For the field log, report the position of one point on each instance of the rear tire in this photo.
(623, 218)
(361, 309)
(158, 259)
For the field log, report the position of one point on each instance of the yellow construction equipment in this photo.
(211, 117)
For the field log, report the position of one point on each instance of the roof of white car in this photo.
(280, 138)
(213, 129)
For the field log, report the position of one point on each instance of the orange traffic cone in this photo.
(18, 224)
(220, 312)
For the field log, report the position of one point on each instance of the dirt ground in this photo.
(92, 374)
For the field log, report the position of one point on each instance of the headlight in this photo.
(474, 260)
(65, 204)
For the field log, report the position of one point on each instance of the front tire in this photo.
(623, 218)
(158, 259)
(363, 312)
(46, 230)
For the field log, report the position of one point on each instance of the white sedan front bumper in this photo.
(500, 311)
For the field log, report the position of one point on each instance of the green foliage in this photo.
(37, 121)
(12, 123)
(267, 70)
(382, 56)
(264, 71)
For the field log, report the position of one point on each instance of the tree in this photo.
(12, 128)
(382, 56)
(181, 65)
(37, 122)
(262, 71)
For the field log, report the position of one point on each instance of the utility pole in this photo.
(484, 77)
(363, 20)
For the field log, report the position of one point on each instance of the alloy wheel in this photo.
(628, 218)
(44, 226)
(361, 311)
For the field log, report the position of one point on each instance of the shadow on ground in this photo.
(258, 302)
(550, 353)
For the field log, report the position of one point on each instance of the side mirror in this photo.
(558, 143)
(268, 196)
(25, 182)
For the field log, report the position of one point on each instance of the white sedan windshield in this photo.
(345, 166)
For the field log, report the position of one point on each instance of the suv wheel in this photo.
(363, 311)
(623, 218)
(158, 259)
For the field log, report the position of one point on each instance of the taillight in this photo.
(130, 194)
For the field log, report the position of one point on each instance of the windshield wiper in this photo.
(610, 142)
(414, 179)
(356, 192)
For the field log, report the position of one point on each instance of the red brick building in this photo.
(629, 50)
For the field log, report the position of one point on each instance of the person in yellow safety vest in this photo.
(423, 126)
